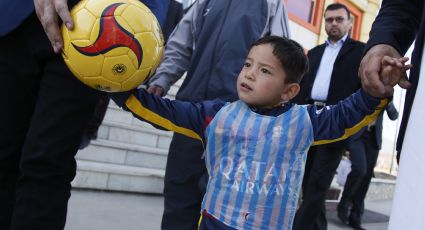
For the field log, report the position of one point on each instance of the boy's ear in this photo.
(291, 90)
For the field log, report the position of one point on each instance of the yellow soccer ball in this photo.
(115, 45)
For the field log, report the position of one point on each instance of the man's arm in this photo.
(178, 53)
(186, 118)
(278, 22)
(396, 24)
(392, 33)
(340, 121)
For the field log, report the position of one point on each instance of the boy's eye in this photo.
(247, 64)
(265, 71)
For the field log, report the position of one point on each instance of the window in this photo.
(307, 13)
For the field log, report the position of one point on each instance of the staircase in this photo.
(129, 155)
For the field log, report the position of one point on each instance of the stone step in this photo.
(381, 189)
(113, 177)
(129, 155)
(134, 134)
(107, 151)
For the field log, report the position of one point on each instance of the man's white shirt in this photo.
(322, 81)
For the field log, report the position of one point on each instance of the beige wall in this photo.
(369, 16)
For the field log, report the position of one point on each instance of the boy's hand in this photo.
(47, 12)
(393, 72)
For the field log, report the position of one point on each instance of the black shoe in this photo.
(356, 225)
(342, 214)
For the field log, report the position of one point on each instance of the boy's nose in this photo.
(250, 75)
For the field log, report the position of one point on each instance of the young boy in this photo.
(255, 148)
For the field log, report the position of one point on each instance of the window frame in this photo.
(316, 21)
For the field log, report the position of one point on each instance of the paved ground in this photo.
(92, 210)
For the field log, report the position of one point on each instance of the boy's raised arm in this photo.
(187, 118)
(340, 121)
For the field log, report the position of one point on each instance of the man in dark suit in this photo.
(331, 78)
(364, 149)
(44, 111)
(398, 23)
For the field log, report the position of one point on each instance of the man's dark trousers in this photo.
(322, 162)
(44, 111)
(186, 178)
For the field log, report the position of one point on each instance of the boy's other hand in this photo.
(391, 74)
(47, 12)
(157, 90)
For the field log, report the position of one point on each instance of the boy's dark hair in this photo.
(290, 54)
(337, 6)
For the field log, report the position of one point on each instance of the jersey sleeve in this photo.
(186, 118)
(340, 121)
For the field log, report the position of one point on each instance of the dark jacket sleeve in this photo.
(159, 8)
(396, 24)
(187, 118)
(340, 121)
(174, 15)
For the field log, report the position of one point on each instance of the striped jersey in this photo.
(255, 166)
(255, 161)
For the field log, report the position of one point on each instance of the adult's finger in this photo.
(396, 62)
(62, 9)
(47, 12)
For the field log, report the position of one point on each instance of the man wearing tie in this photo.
(44, 112)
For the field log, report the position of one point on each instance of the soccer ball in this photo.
(115, 45)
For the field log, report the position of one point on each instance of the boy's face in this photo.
(261, 83)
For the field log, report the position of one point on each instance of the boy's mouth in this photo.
(245, 86)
